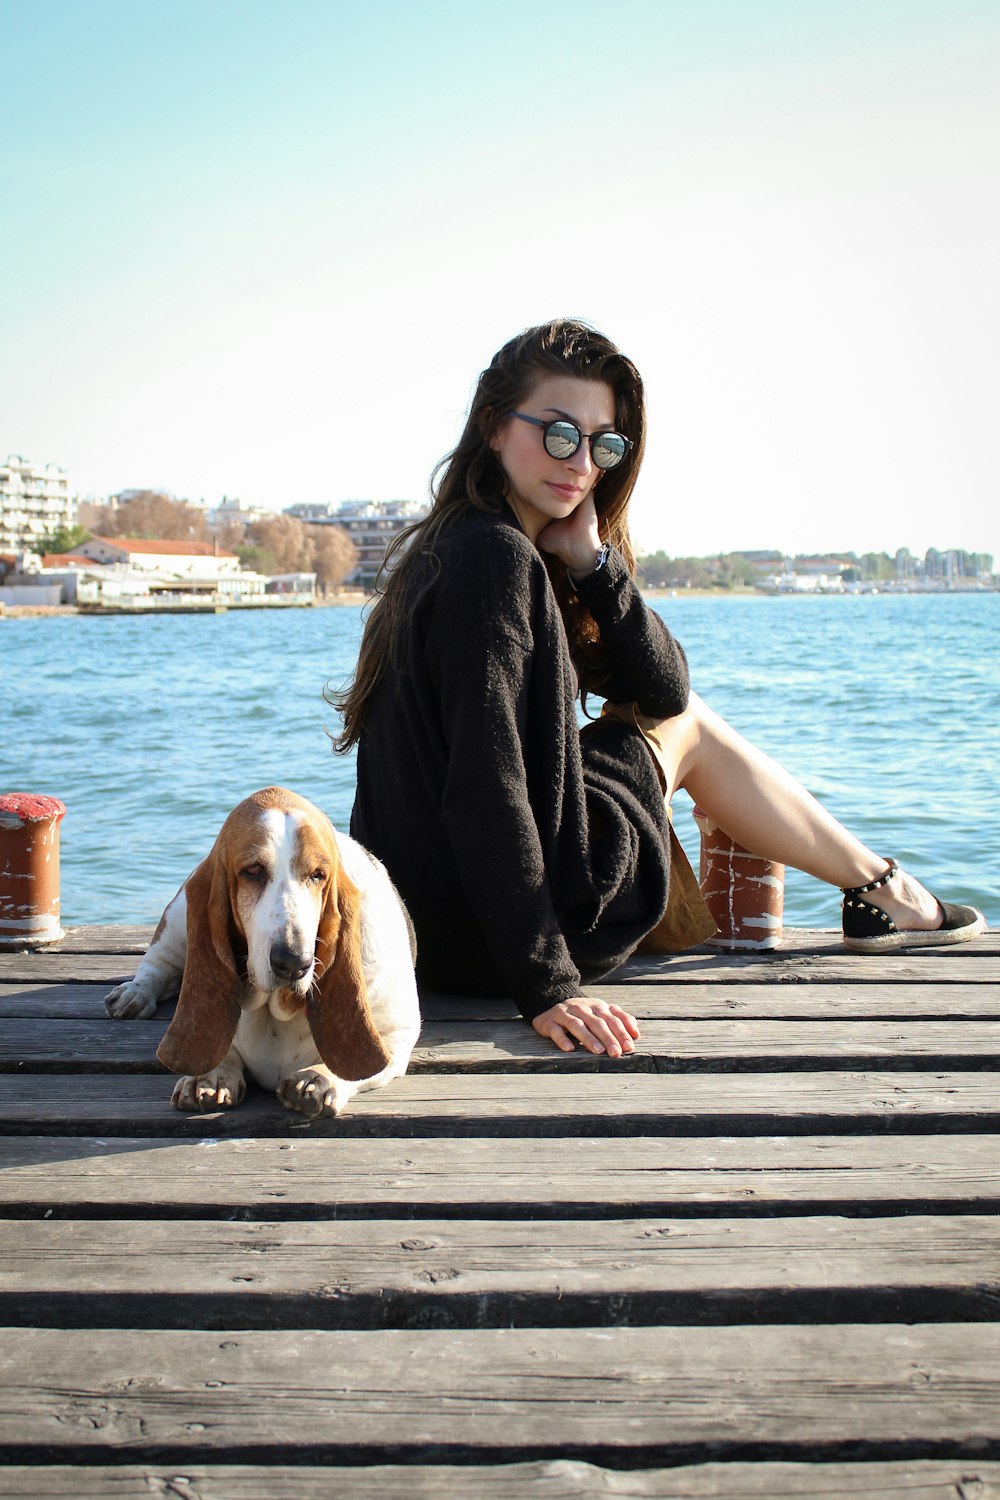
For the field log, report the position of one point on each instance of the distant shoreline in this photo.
(884, 591)
(350, 598)
(354, 599)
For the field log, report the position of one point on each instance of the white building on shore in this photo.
(191, 561)
(129, 567)
(35, 503)
(792, 582)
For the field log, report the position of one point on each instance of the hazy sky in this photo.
(263, 249)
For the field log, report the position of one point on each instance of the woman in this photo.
(533, 856)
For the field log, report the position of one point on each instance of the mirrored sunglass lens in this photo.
(608, 449)
(561, 439)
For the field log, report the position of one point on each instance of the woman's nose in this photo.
(581, 462)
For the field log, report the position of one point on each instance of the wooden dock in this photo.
(760, 1258)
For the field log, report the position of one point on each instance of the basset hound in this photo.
(294, 958)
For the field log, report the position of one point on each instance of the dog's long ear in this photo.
(208, 1008)
(339, 1015)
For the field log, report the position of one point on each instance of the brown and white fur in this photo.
(294, 957)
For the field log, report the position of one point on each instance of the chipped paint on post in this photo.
(29, 869)
(744, 892)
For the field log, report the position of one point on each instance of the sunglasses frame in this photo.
(590, 436)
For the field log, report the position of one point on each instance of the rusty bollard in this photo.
(29, 870)
(744, 892)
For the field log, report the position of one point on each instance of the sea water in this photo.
(151, 728)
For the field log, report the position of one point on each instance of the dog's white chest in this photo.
(273, 1049)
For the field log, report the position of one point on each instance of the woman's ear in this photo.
(337, 1007)
(487, 430)
(208, 1007)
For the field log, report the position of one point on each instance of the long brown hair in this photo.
(471, 475)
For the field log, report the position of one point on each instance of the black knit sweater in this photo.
(528, 858)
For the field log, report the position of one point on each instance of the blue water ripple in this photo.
(151, 729)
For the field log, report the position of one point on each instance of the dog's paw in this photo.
(130, 1002)
(314, 1092)
(215, 1090)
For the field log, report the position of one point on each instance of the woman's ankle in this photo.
(910, 905)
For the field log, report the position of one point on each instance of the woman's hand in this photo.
(595, 1024)
(576, 540)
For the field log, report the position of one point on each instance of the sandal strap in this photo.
(863, 920)
(873, 885)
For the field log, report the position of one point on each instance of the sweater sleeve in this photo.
(648, 665)
(479, 646)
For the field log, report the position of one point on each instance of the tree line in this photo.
(729, 570)
(278, 544)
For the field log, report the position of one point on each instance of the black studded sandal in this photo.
(868, 929)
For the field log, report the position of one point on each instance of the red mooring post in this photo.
(745, 893)
(29, 870)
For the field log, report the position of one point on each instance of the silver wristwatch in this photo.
(602, 558)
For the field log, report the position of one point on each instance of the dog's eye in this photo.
(254, 873)
(318, 876)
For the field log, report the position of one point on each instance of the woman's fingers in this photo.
(553, 1032)
(557, 1024)
(597, 1026)
(576, 538)
(629, 1022)
(613, 1028)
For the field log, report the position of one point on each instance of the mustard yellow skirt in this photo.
(687, 920)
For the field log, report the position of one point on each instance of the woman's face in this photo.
(544, 488)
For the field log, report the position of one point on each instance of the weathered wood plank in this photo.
(135, 938)
(128, 938)
(106, 938)
(555, 1479)
(482, 1274)
(604, 1103)
(642, 1394)
(665, 1001)
(721, 1044)
(55, 1001)
(815, 940)
(69, 1001)
(56, 967)
(101, 1046)
(970, 964)
(305, 1177)
(73, 1046)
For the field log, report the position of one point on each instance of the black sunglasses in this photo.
(562, 438)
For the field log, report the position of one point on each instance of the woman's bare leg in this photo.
(755, 800)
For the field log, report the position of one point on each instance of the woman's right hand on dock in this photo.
(596, 1024)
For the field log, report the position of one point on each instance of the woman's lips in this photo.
(564, 491)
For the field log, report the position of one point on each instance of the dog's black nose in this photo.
(286, 964)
